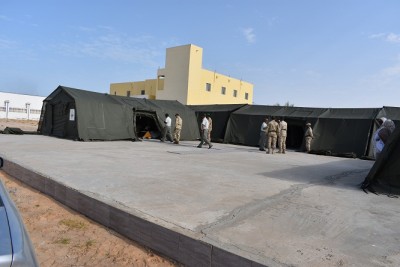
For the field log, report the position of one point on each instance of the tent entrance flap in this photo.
(295, 136)
(145, 123)
(63, 125)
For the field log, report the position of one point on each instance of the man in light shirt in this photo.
(263, 135)
(167, 129)
(204, 132)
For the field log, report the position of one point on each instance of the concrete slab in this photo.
(225, 206)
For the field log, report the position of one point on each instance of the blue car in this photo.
(15, 246)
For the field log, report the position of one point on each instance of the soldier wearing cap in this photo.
(273, 127)
(308, 135)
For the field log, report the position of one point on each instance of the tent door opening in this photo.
(63, 127)
(146, 125)
(295, 135)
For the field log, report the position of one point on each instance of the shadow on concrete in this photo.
(335, 174)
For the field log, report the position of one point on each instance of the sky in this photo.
(309, 53)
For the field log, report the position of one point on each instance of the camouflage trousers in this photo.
(282, 144)
(177, 134)
(308, 143)
(272, 138)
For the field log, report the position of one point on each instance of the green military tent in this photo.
(219, 114)
(338, 131)
(84, 115)
(384, 176)
(344, 130)
(244, 125)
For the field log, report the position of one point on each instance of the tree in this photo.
(287, 104)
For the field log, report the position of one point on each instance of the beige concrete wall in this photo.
(176, 72)
(195, 85)
(215, 96)
(184, 79)
(135, 88)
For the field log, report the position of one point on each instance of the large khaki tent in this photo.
(83, 115)
(384, 176)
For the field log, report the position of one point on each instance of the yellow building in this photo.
(184, 79)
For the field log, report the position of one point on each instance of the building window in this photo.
(208, 87)
(128, 93)
(36, 111)
(142, 92)
(18, 110)
(223, 90)
(234, 93)
(246, 96)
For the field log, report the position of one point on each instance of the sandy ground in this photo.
(26, 125)
(62, 237)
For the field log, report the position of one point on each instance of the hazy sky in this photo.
(333, 53)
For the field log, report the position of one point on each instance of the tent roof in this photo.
(84, 95)
(350, 113)
(216, 108)
(281, 111)
(257, 110)
(299, 112)
(392, 113)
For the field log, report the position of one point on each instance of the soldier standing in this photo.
(308, 137)
(272, 135)
(209, 127)
(178, 128)
(278, 132)
(282, 136)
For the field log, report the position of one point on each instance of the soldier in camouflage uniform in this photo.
(272, 135)
(177, 129)
(308, 135)
(282, 136)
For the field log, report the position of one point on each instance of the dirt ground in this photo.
(26, 125)
(62, 237)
